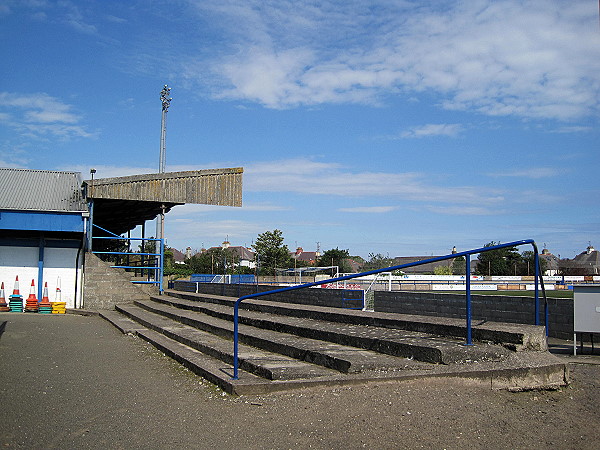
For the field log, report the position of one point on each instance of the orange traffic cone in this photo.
(45, 306)
(31, 304)
(16, 288)
(3, 306)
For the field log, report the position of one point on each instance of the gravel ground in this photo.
(76, 382)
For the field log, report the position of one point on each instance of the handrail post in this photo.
(537, 294)
(235, 338)
(468, 299)
(161, 261)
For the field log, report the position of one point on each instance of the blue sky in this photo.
(393, 127)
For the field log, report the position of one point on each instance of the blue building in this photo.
(55, 226)
(43, 220)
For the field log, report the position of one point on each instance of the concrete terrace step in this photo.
(261, 363)
(287, 346)
(373, 340)
(512, 336)
(334, 356)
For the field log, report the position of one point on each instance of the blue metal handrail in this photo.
(160, 256)
(466, 254)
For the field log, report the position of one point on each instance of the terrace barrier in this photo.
(467, 254)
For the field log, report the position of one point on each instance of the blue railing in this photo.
(467, 255)
(154, 270)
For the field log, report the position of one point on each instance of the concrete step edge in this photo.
(415, 347)
(259, 362)
(514, 336)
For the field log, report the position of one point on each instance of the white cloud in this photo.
(369, 209)
(40, 115)
(432, 129)
(454, 210)
(535, 59)
(532, 172)
(304, 176)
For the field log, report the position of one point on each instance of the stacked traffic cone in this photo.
(31, 304)
(15, 301)
(3, 306)
(58, 306)
(45, 305)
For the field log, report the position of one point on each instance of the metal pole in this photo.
(162, 162)
(468, 305)
(537, 286)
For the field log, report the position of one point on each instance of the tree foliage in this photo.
(459, 266)
(377, 261)
(507, 261)
(335, 257)
(442, 270)
(216, 260)
(271, 252)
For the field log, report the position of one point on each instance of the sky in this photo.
(386, 126)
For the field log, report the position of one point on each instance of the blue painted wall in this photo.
(41, 221)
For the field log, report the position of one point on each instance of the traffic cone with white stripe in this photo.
(3, 306)
(16, 288)
(15, 301)
(45, 305)
(58, 306)
(31, 304)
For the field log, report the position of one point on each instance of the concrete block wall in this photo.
(483, 307)
(317, 297)
(104, 286)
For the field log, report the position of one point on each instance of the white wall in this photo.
(23, 262)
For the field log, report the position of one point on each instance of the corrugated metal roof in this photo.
(41, 190)
(209, 187)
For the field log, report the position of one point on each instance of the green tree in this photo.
(497, 262)
(271, 252)
(214, 261)
(377, 261)
(442, 270)
(335, 257)
(527, 264)
(459, 266)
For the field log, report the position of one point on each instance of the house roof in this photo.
(41, 190)
(177, 255)
(423, 268)
(305, 256)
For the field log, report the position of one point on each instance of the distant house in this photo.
(178, 257)
(586, 263)
(552, 262)
(244, 256)
(307, 258)
(421, 269)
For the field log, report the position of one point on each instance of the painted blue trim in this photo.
(41, 221)
(50, 243)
